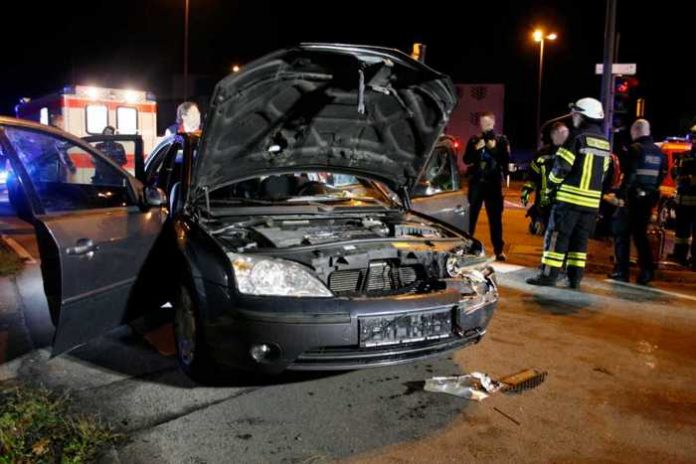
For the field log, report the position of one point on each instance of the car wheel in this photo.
(191, 349)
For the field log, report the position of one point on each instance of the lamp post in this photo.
(186, 45)
(541, 37)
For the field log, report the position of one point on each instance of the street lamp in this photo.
(186, 45)
(541, 37)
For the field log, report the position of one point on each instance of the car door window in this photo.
(165, 169)
(67, 176)
(439, 175)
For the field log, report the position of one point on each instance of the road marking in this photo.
(513, 205)
(651, 289)
(19, 249)
(504, 268)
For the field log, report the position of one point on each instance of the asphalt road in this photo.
(620, 386)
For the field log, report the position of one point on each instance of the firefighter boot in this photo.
(575, 274)
(547, 277)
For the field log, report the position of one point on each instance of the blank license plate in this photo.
(402, 328)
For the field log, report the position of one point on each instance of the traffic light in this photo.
(625, 97)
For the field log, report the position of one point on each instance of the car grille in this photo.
(379, 278)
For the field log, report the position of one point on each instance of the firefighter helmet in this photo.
(588, 107)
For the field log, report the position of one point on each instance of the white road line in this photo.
(651, 289)
(19, 249)
(504, 268)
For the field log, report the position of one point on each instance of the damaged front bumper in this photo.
(272, 334)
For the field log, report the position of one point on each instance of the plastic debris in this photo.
(475, 386)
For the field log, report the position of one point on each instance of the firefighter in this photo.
(537, 180)
(645, 169)
(575, 184)
(487, 157)
(188, 119)
(685, 174)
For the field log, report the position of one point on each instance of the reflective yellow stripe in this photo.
(534, 167)
(577, 255)
(577, 200)
(598, 143)
(574, 190)
(586, 172)
(554, 179)
(567, 155)
(573, 262)
(554, 255)
(551, 262)
(606, 164)
(543, 179)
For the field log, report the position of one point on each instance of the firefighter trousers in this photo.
(685, 232)
(633, 221)
(489, 193)
(565, 242)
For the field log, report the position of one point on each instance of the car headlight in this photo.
(275, 277)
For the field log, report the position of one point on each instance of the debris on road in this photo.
(522, 381)
(510, 418)
(478, 386)
(475, 386)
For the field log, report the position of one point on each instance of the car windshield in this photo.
(302, 188)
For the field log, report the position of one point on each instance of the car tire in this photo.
(192, 352)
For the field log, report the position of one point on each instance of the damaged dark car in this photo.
(286, 236)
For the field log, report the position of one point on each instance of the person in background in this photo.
(106, 175)
(188, 119)
(487, 157)
(538, 179)
(685, 174)
(645, 169)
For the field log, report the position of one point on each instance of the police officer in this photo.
(487, 157)
(537, 179)
(685, 174)
(576, 184)
(645, 168)
(104, 174)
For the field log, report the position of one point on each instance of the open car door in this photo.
(438, 192)
(93, 231)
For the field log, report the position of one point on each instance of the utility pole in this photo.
(607, 74)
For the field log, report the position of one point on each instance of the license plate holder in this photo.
(406, 327)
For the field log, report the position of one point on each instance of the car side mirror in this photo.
(155, 197)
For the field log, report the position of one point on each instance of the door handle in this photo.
(83, 247)
(460, 209)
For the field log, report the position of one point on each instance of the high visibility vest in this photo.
(579, 169)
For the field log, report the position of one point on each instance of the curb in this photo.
(17, 249)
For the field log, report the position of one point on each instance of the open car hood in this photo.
(358, 109)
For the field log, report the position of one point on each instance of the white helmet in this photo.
(588, 107)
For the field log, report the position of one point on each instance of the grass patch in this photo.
(9, 262)
(36, 426)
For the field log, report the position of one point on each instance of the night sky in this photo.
(138, 44)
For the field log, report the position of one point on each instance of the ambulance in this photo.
(87, 110)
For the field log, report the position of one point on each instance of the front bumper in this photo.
(323, 334)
